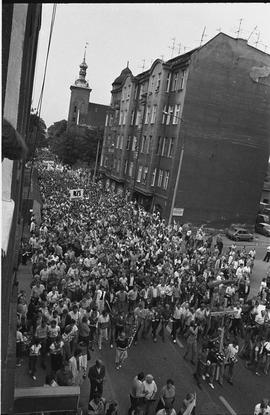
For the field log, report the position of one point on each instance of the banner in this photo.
(76, 194)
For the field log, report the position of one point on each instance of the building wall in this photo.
(78, 107)
(95, 116)
(226, 132)
(21, 24)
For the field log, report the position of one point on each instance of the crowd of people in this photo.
(105, 271)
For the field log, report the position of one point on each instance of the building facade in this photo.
(20, 31)
(190, 137)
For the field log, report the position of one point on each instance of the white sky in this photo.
(121, 32)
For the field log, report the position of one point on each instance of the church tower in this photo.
(79, 99)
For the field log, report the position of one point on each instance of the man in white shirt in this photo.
(262, 408)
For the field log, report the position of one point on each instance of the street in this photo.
(165, 360)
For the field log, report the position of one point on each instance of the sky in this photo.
(137, 33)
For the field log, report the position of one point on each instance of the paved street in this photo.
(165, 360)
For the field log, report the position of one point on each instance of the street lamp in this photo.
(178, 172)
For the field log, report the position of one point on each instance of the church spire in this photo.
(81, 81)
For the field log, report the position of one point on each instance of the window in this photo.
(132, 117)
(158, 145)
(117, 142)
(139, 175)
(174, 83)
(118, 166)
(168, 81)
(170, 111)
(176, 114)
(144, 176)
(154, 114)
(160, 178)
(138, 117)
(170, 147)
(143, 143)
(124, 117)
(106, 121)
(163, 114)
(163, 151)
(114, 164)
(147, 115)
(166, 180)
(154, 177)
(158, 82)
(182, 80)
(134, 144)
(148, 144)
(130, 170)
(128, 143)
(121, 142)
(125, 167)
(121, 118)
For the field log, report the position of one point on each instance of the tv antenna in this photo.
(143, 65)
(162, 57)
(252, 33)
(179, 48)
(173, 46)
(203, 35)
(239, 30)
(258, 38)
(219, 29)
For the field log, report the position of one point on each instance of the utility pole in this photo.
(97, 153)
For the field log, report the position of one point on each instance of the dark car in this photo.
(263, 228)
(239, 234)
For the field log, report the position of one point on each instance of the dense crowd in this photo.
(105, 271)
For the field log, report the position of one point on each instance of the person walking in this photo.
(192, 335)
(121, 349)
(137, 393)
(167, 395)
(267, 255)
(33, 357)
(96, 376)
(150, 388)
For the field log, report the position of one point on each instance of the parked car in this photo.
(239, 234)
(263, 228)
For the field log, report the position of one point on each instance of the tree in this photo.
(78, 144)
(37, 137)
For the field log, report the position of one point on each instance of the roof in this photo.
(119, 80)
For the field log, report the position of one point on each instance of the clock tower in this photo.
(79, 99)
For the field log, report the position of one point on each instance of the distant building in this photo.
(207, 111)
(20, 31)
(83, 113)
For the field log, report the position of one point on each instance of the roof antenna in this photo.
(239, 28)
(173, 46)
(257, 40)
(179, 48)
(203, 36)
(127, 63)
(252, 33)
(143, 65)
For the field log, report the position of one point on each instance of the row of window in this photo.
(171, 114)
(165, 146)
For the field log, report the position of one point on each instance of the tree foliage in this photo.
(73, 145)
(37, 137)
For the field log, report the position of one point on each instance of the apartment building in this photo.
(190, 137)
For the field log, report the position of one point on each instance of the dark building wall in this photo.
(21, 24)
(79, 100)
(96, 115)
(226, 131)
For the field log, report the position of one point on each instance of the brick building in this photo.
(194, 129)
